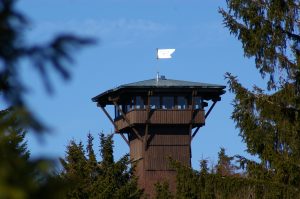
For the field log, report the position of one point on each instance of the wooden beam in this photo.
(192, 116)
(211, 107)
(110, 118)
(192, 108)
(196, 131)
(125, 139)
(127, 121)
(206, 115)
(113, 99)
(147, 122)
(116, 128)
(146, 137)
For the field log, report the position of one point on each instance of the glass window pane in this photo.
(168, 102)
(139, 102)
(154, 102)
(182, 102)
(198, 102)
(128, 108)
(117, 112)
(130, 105)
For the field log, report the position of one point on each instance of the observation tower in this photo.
(158, 119)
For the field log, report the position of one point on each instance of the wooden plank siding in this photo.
(136, 150)
(169, 140)
(157, 157)
(160, 117)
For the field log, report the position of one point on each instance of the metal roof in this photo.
(162, 83)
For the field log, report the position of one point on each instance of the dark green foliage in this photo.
(206, 185)
(162, 191)
(269, 31)
(20, 177)
(106, 150)
(270, 127)
(224, 167)
(269, 122)
(188, 183)
(102, 179)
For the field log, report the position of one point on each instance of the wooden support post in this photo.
(206, 115)
(110, 119)
(195, 132)
(116, 128)
(192, 108)
(192, 116)
(125, 139)
(146, 137)
(147, 122)
(211, 107)
(127, 121)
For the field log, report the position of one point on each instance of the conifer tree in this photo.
(203, 167)
(268, 118)
(187, 181)
(162, 191)
(224, 166)
(90, 178)
(21, 177)
(207, 185)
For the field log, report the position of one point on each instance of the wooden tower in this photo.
(158, 118)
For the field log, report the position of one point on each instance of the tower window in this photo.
(130, 105)
(117, 112)
(154, 102)
(139, 102)
(168, 102)
(181, 102)
(198, 103)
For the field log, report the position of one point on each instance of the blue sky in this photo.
(128, 33)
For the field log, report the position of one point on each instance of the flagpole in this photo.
(157, 73)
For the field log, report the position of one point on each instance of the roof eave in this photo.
(218, 90)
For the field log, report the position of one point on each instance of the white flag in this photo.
(164, 53)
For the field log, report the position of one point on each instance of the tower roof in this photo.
(161, 84)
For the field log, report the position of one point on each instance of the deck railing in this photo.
(161, 116)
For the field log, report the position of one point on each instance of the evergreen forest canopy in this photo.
(98, 179)
(268, 117)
